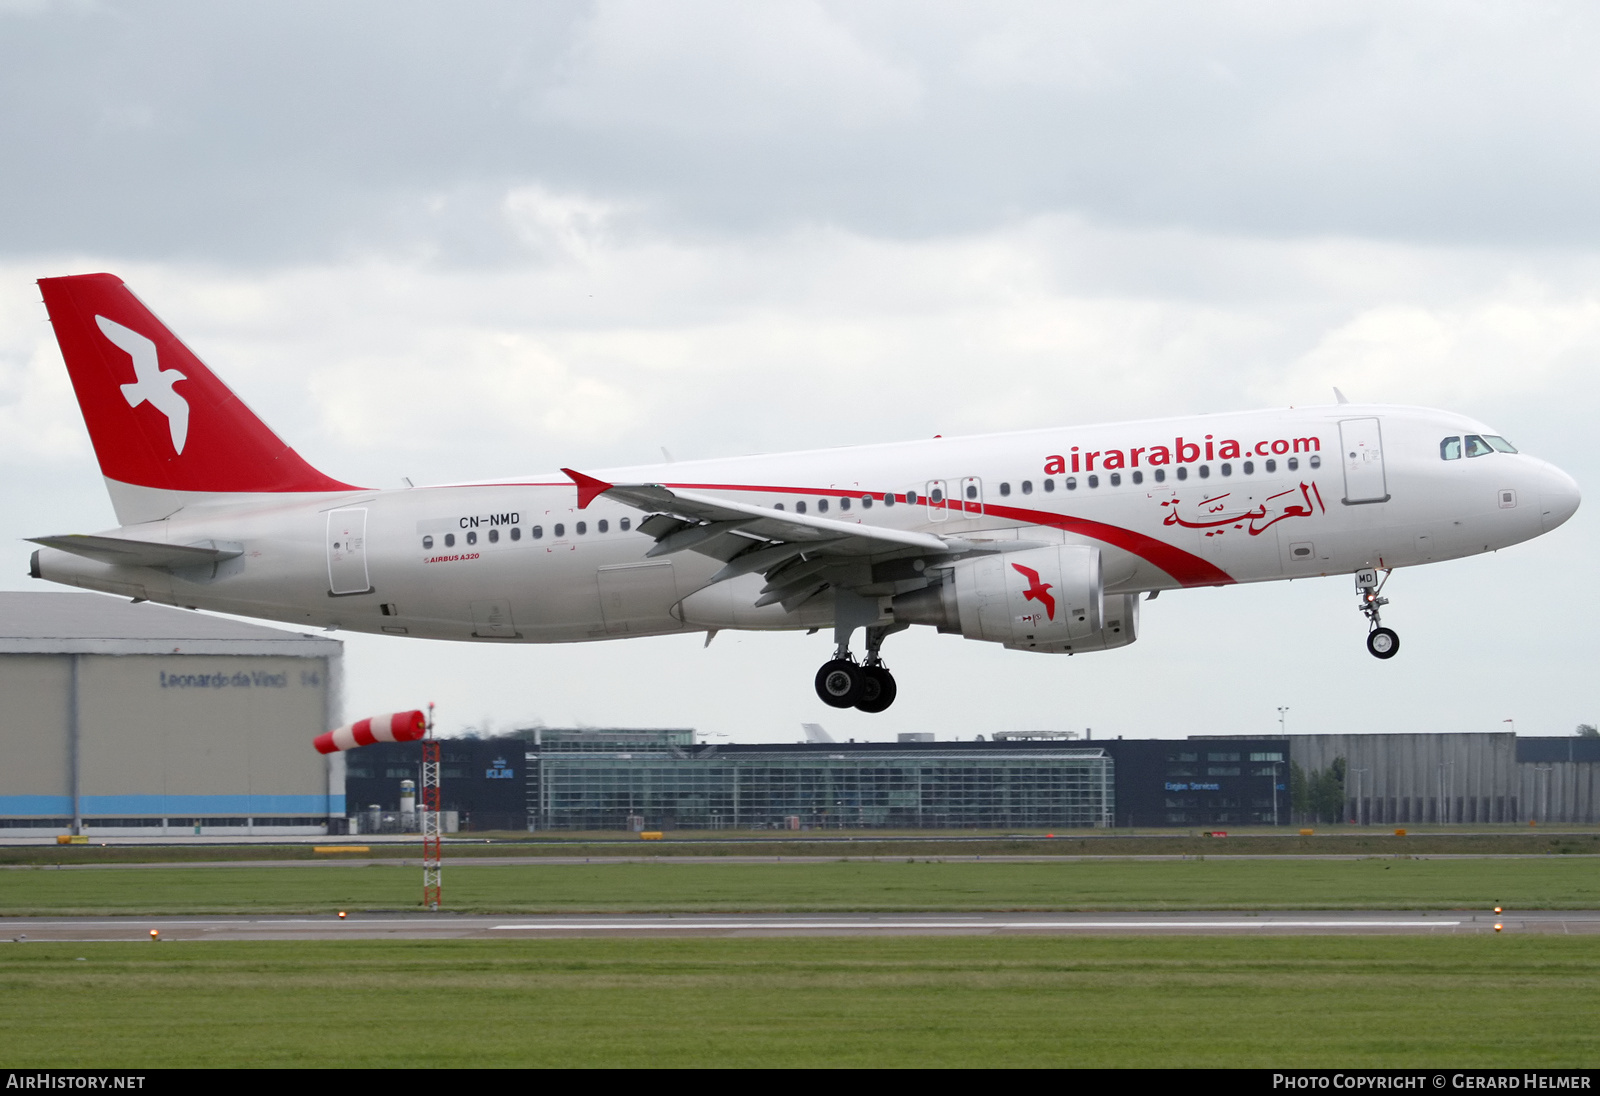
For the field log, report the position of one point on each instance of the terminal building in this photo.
(662, 779)
(139, 719)
(554, 779)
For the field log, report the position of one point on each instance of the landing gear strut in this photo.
(880, 689)
(1381, 642)
(842, 682)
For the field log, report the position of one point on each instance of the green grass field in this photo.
(942, 1002)
(1350, 841)
(1386, 883)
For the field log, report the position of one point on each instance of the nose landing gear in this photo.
(1381, 642)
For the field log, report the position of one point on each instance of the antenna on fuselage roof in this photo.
(666, 455)
(1339, 396)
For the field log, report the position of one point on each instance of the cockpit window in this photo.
(1500, 443)
(1477, 447)
(1450, 449)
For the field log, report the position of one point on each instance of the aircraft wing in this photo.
(799, 554)
(139, 553)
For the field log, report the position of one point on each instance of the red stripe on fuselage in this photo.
(1185, 567)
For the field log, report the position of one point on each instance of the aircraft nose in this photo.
(1558, 497)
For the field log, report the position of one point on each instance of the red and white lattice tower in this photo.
(432, 887)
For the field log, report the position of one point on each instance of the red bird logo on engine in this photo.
(1037, 591)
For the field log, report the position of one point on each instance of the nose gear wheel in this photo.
(1381, 642)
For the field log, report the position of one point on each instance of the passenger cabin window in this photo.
(972, 491)
(1271, 466)
(583, 528)
(1205, 471)
(494, 536)
(472, 538)
(1227, 469)
(1138, 476)
(1116, 479)
(777, 506)
(427, 542)
(1161, 475)
(1477, 447)
(516, 532)
(844, 504)
(799, 507)
(1005, 490)
(1049, 485)
(627, 523)
(1027, 487)
(536, 532)
(1248, 467)
(866, 502)
(911, 498)
(449, 540)
(1072, 483)
(937, 496)
(604, 526)
(1094, 481)
(822, 506)
(1294, 464)
(561, 530)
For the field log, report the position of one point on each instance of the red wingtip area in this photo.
(589, 488)
(156, 415)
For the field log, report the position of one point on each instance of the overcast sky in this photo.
(469, 240)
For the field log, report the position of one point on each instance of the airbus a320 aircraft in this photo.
(1040, 541)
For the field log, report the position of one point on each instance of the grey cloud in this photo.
(238, 133)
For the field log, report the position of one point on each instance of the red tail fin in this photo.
(157, 416)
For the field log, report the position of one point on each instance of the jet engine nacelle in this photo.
(1041, 599)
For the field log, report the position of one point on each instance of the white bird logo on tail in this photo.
(154, 383)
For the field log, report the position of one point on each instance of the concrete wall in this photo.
(1459, 778)
(1559, 791)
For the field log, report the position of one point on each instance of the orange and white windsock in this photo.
(395, 727)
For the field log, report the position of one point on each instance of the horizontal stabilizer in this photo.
(139, 553)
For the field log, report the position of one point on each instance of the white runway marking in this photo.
(680, 925)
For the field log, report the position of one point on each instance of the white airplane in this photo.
(1040, 541)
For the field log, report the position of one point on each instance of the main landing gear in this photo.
(843, 683)
(1381, 642)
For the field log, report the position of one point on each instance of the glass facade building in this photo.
(603, 780)
(550, 779)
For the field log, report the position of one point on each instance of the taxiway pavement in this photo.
(448, 926)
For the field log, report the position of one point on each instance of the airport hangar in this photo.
(139, 719)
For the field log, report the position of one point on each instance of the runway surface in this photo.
(568, 861)
(447, 926)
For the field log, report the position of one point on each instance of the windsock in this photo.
(396, 727)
